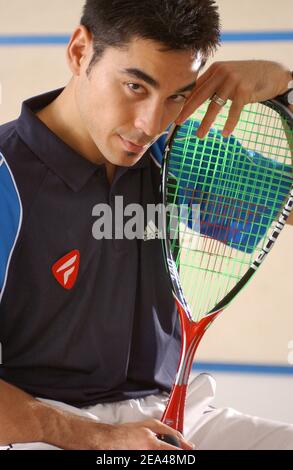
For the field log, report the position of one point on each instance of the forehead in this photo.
(154, 59)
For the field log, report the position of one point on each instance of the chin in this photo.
(127, 159)
(128, 162)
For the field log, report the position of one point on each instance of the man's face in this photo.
(130, 97)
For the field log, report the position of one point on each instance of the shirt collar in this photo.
(69, 165)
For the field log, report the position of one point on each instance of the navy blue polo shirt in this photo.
(88, 321)
(114, 334)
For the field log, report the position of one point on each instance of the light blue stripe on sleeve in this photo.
(10, 219)
(157, 149)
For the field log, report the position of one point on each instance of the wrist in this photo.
(69, 431)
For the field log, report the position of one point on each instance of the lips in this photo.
(131, 147)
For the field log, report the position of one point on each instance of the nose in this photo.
(150, 119)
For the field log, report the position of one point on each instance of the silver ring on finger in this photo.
(216, 99)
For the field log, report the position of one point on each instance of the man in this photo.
(88, 327)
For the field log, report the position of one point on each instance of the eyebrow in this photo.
(141, 75)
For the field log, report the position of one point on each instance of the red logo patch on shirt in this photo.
(66, 269)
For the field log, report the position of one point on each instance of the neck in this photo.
(62, 117)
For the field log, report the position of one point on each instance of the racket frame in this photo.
(191, 331)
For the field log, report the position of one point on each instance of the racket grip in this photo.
(169, 439)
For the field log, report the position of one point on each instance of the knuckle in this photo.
(215, 65)
(157, 422)
(150, 421)
(219, 63)
(224, 70)
(243, 89)
(149, 434)
(234, 77)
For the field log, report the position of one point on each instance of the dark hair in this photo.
(177, 24)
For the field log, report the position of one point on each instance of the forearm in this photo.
(24, 419)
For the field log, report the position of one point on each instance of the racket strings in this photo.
(237, 186)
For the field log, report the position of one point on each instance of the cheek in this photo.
(170, 115)
(92, 108)
(104, 107)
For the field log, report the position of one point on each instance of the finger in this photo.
(170, 439)
(209, 118)
(205, 76)
(177, 441)
(202, 93)
(233, 118)
(185, 445)
(161, 428)
(166, 434)
(165, 446)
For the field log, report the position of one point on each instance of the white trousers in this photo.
(207, 427)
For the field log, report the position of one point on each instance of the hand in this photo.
(141, 436)
(241, 82)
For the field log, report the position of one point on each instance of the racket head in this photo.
(224, 199)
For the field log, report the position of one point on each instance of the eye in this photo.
(136, 88)
(178, 98)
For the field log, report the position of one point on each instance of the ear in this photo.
(79, 50)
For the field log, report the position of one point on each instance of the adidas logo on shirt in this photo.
(151, 232)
